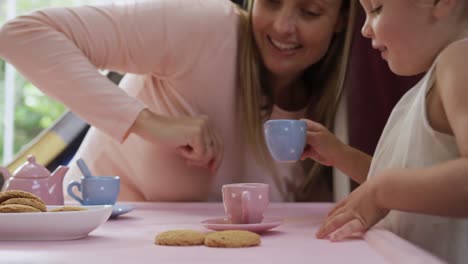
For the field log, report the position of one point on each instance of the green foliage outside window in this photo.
(34, 111)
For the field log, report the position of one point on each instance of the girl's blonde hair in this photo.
(326, 79)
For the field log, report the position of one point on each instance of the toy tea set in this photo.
(36, 179)
(244, 203)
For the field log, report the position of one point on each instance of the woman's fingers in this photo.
(205, 150)
(193, 155)
(218, 154)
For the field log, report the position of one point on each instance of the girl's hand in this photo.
(193, 138)
(355, 214)
(321, 146)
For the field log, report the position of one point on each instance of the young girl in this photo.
(202, 77)
(417, 180)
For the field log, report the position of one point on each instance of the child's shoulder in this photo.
(452, 67)
(454, 54)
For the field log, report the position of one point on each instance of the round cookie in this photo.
(232, 239)
(180, 238)
(68, 209)
(18, 208)
(27, 201)
(17, 194)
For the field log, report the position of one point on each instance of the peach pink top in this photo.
(180, 60)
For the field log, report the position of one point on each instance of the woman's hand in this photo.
(355, 214)
(322, 146)
(193, 138)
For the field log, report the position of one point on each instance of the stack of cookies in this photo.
(16, 201)
(227, 239)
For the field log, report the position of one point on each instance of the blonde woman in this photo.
(202, 77)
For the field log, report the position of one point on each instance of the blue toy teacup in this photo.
(285, 139)
(96, 190)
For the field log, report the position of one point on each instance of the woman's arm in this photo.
(61, 49)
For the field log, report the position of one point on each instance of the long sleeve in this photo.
(61, 49)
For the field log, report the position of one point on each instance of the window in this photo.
(24, 110)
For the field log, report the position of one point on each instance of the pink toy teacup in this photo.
(245, 203)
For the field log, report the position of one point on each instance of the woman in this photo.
(202, 77)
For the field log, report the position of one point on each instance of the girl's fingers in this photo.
(350, 228)
(333, 224)
(313, 126)
(306, 150)
(307, 153)
(311, 154)
(338, 206)
(312, 138)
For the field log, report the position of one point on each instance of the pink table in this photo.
(129, 239)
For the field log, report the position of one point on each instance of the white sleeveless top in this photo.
(408, 141)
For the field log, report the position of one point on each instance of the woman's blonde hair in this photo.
(325, 78)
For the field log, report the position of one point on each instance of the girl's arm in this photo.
(327, 149)
(353, 163)
(439, 190)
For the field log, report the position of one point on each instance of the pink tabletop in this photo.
(130, 239)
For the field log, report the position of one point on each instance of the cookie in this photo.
(27, 201)
(18, 208)
(68, 209)
(232, 239)
(17, 194)
(180, 238)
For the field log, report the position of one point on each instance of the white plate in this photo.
(53, 225)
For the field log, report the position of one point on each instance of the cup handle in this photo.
(245, 207)
(71, 193)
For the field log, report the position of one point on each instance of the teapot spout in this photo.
(58, 175)
(55, 186)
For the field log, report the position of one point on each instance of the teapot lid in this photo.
(31, 169)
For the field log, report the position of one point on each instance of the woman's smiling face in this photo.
(291, 35)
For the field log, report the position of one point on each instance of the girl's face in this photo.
(291, 35)
(405, 32)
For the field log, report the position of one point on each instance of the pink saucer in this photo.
(220, 224)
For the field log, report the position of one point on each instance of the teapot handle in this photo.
(71, 193)
(5, 173)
